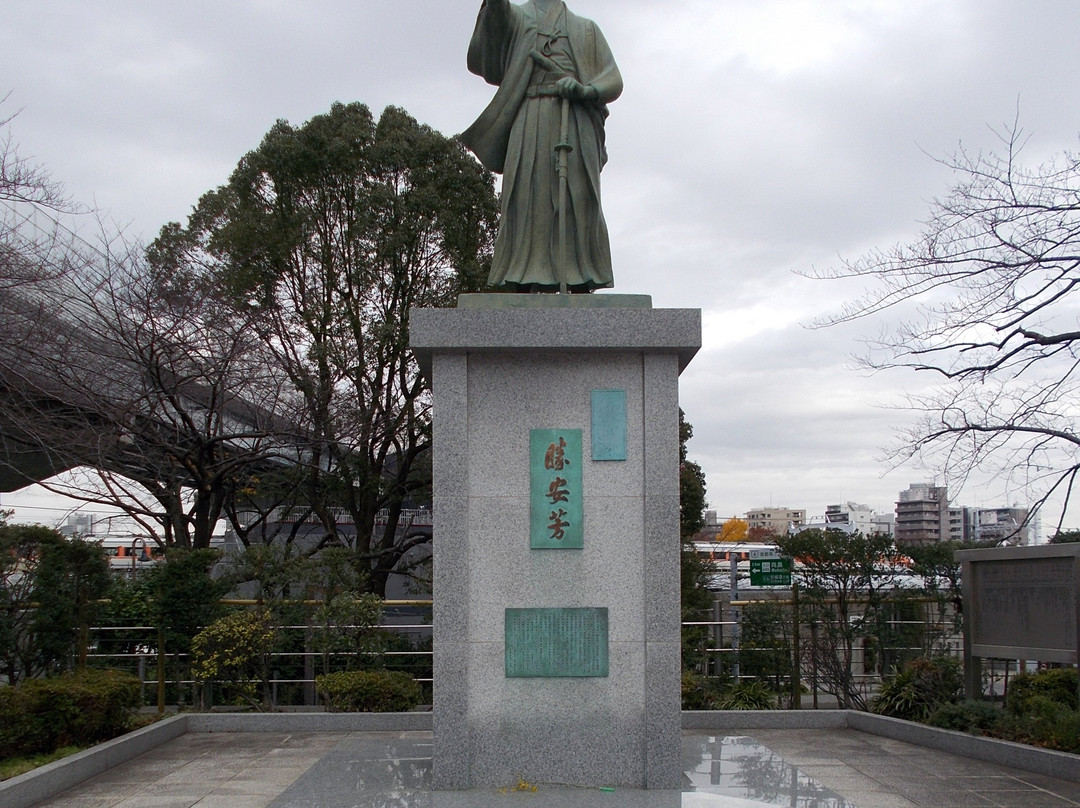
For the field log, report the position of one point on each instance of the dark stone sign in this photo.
(1020, 603)
(1028, 604)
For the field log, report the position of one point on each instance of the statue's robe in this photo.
(516, 136)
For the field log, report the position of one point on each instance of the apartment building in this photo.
(923, 516)
(776, 520)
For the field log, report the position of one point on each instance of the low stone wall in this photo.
(1062, 765)
(728, 720)
(309, 722)
(48, 781)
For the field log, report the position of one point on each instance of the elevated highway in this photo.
(85, 382)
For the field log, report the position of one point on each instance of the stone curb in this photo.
(48, 781)
(309, 722)
(764, 719)
(1061, 765)
(1051, 763)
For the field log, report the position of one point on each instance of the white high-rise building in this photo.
(858, 518)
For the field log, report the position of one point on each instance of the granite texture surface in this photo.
(663, 666)
(566, 331)
(496, 375)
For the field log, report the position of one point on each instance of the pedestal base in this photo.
(497, 375)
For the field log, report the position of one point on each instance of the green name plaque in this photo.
(555, 497)
(551, 643)
(609, 425)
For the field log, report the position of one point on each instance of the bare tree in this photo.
(166, 403)
(837, 571)
(35, 249)
(21, 179)
(33, 241)
(167, 406)
(988, 292)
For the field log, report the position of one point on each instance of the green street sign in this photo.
(770, 572)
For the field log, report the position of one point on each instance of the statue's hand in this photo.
(571, 88)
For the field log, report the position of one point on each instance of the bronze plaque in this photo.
(556, 642)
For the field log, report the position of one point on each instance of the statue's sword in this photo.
(562, 152)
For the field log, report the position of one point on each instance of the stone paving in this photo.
(808, 768)
(223, 770)
(876, 772)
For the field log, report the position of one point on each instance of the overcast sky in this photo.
(756, 139)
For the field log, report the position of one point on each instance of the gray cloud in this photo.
(756, 138)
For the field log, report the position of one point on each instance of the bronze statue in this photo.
(544, 132)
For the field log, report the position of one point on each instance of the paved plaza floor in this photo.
(808, 768)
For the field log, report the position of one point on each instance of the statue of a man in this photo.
(555, 75)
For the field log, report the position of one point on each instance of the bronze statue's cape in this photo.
(501, 57)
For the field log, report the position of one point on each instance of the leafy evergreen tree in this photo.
(71, 576)
(332, 232)
(695, 573)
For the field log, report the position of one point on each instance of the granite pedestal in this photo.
(498, 373)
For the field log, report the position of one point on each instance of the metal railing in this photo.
(400, 642)
(806, 654)
(295, 663)
(416, 517)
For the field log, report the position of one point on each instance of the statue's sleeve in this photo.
(489, 49)
(606, 77)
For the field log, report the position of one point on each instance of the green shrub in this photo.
(369, 691)
(20, 733)
(722, 693)
(693, 691)
(968, 716)
(106, 701)
(704, 692)
(1062, 732)
(1046, 723)
(923, 686)
(77, 709)
(751, 695)
(1058, 685)
(234, 651)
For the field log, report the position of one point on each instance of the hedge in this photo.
(369, 691)
(80, 709)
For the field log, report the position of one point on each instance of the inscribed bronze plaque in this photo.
(557, 511)
(550, 643)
